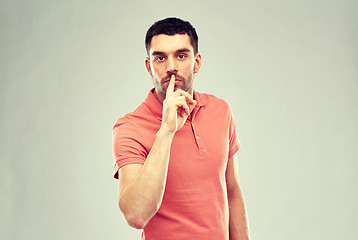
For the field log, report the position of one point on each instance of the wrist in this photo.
(165, 132)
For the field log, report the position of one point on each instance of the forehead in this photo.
(166, 43)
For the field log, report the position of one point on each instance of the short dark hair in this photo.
(171, 26)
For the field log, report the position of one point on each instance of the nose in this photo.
(172, 66)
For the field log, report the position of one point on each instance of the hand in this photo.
(177, 107)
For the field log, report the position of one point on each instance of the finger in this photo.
(192, 105)
(170, 89)
(181, 102)
(188, 97)
(182, 112)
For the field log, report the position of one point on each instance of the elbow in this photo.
(135, 222)
(133, 218)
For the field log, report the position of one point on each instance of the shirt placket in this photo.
(196, 134)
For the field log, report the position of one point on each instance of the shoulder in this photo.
(127, 129)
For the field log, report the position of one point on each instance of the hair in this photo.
(171, 26)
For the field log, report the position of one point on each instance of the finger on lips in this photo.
(170, 89)
(187, 101)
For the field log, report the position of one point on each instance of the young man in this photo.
(176, 153)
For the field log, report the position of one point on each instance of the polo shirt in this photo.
(195, 204)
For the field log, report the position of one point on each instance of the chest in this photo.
(199, 153)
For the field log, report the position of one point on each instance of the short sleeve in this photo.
(127, 147)
(234, 142)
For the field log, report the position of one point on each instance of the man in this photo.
(176, 153)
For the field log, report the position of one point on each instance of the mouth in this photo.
(177, 81)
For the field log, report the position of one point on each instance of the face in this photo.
(172, 55)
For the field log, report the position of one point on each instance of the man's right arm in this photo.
(141, 187)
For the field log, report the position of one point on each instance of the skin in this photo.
(172, 55)
(172, 65)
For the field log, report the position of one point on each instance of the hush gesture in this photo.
(177, 107)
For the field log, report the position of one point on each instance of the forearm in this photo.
(238, 222)
(144, 189)
(141, 199)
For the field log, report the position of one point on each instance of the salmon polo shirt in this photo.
(195, 204)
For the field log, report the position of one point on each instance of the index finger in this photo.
(171, 85)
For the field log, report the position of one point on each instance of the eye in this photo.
(181, 56)
(159, 59)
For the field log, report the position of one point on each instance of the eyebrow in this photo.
(155, 53)
(181, 50)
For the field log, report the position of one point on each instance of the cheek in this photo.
(156, 71)
(190, 68)
(191, 65)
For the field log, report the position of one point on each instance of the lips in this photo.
(176, 81)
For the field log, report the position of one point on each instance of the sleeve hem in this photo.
(126, 161)
(234, 150)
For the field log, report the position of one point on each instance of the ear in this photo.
(147, 66)
(197, 65)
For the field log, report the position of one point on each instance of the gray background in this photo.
(69, 69)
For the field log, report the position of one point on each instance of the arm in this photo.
(238, 222)
(141, 188)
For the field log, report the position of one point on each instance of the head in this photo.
(172, 26)
(172, 48)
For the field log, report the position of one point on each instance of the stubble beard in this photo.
(185, 87)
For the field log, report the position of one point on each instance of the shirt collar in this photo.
(156, 107)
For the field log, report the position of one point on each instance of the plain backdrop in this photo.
(69, 69)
